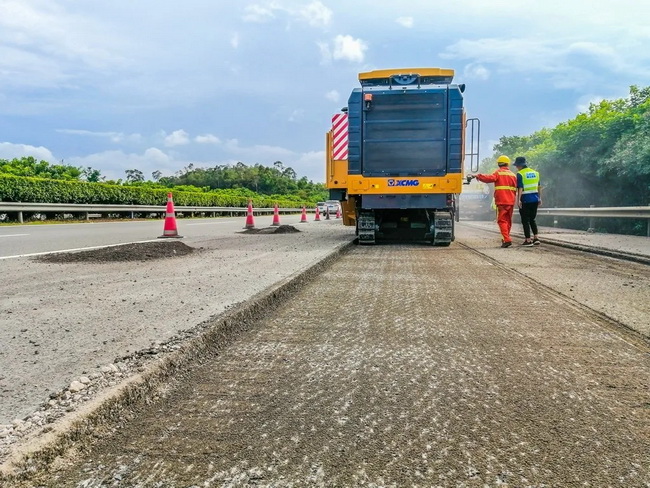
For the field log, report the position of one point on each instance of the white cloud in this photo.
(113, 164)
(45, 30)
(112, 136)
(316, 14)
(349, 49)
(586, 101)
(258, 14)
(333, 95)
(10, 150)
(177, 138)
(563, 62)
(405, 21)
(257, 153)
(155, 154)
(325, 52)
(476, 71)
(310, 164)
(20, 69)
(234, 40)
(297, 115)
(207, 139)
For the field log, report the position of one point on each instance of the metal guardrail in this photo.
(72, 207)
(593, 212)
(612, 212)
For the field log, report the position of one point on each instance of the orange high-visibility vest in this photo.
(505, 185)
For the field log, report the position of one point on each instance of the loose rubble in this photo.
(139, 251)
(86, 388)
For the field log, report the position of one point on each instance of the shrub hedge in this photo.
(38, 190)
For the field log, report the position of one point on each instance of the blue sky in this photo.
(157, 85)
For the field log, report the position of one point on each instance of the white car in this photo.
(333, 206)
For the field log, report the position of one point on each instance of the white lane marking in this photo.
(15, 235)
(213, 223)
(73, 250)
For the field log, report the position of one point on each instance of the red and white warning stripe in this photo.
(340, 137)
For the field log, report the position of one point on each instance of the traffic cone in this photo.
(276, 215)
(250, 224)
(317, 218)
(338, 213)
(170, 219)
(303, 217)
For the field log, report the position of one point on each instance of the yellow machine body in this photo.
(405, 162)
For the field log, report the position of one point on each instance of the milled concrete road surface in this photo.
(618, 289)
(64, 322)
(633, 248)
(398, 366)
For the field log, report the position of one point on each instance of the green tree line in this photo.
(237, 181)
(600, 157)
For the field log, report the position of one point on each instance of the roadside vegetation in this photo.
(29, 180)
(600, 157)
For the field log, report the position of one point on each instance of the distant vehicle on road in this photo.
(333, 206)
(322, 207)
(476, 202)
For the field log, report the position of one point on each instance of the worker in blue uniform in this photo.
(529, 198)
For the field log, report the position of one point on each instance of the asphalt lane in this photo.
(59, 322)
(22, 240)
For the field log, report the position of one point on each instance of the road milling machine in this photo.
(396, 155)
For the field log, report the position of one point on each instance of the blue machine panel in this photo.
(404, 133)
(408, 131)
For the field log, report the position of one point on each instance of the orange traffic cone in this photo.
(250, 224)
(303, 217)
(276, 215)
(338, 213)
(317, 218)
(170, 219)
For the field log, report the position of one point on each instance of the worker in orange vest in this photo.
(505, 190)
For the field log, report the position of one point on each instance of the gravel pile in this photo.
(141, 251)
(282, 229)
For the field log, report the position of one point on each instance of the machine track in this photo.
(366, 227)
(443, 228)
(441, 231)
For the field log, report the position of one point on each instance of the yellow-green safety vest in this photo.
(530, 179)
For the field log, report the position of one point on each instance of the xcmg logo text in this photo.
(392, 182)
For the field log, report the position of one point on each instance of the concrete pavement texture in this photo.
(66, 325)
(416, 366)
(114, 309)
(630, 245)
(617, 289)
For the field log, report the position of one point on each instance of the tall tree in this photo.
(134, 175)
(92, 175)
